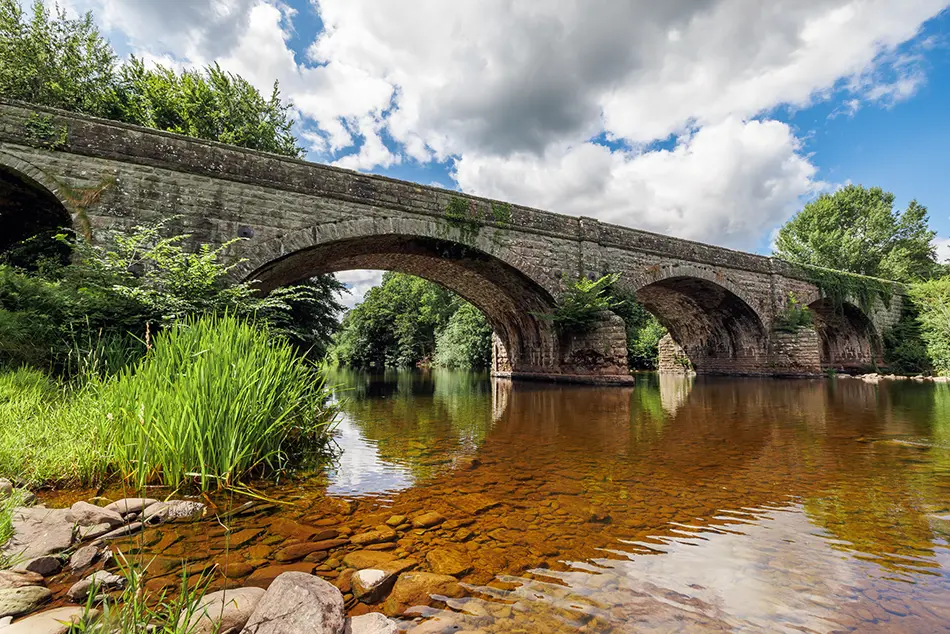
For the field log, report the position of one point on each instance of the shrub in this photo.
(216, 399)
(932, 300)
(582, 305)
(794, 316)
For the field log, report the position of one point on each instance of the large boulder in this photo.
(55, 621)
(86, 514)
(298, 603)
(222, 612)
(372, 623)
(419, 588)
(37, 532)
(16, 601)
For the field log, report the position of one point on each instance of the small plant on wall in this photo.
(794, 317)
(581, 307)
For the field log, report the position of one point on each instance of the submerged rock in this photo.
(16, 601)
(126, 506)
(222, 612)
(367, 559)
(371, 584)
(122, 531)
(299, 551)
(100, 581)
(264, 577)
(449, 561)
(86, 514)
(55, 621)
(380, 534)
(373, 623)
(417, 588)
(298, 603)
(427, 520)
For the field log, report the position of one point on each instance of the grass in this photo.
(49, 433)
(215, 400)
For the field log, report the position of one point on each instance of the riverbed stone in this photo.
(16, 601)
(94, 532)
(427, 520)
(83, 558)
(372, 623)
(449, 561)
(6, 488)
(291, 529)
(99, 581)
(418, 588)
(37, 532)
(46, 565)
(473, 503)
(264, 577)
(380, 534)
(299, 551)
(173, 511)
(223, 612)
(360, 559)
(298, 603)
(371, 584)
(55, 621)
(126, 506)
(86, 514)
(395, 520)
(122, 531)
(19, 579)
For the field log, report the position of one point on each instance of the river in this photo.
(703, 504)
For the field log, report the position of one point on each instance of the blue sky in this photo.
(712, 120)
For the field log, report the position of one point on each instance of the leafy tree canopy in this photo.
(51, 60)
(402, 321)
(857, 229)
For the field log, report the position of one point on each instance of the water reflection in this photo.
(711, 504)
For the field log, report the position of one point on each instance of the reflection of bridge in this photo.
(302, 219)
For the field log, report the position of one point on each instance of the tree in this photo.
(399, 323)
(856, 229)
(932, 299)
(50, 60)
(465, 342)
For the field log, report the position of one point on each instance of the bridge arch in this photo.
(30, 202)
(481, 269)
(713, 320)
(849, 340)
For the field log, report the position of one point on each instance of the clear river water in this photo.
(679, 504)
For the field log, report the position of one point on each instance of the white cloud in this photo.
(514, 92)
(359, 282)
(943, 249)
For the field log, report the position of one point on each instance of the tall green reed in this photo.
(216, 399)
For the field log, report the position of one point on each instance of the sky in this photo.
(713, 120)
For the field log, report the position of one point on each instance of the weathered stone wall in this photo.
(796, 353)
(298, 219)
(672, 358)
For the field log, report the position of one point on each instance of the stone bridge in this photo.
(300, 219)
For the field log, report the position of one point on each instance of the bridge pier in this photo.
(597, 357)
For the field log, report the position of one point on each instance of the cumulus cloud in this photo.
(943, 249)
(358, 282)
(520, 96)
(731, 181)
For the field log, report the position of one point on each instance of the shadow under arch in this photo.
(719, 330)
(849, 341)
(510, 299)
(29, 202)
